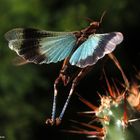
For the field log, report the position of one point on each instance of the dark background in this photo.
(26, 92)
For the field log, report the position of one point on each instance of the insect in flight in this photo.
(80, 49)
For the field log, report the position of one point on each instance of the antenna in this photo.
(102, 16)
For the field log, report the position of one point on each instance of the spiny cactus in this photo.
(118, 113)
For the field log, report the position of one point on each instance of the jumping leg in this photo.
(74, 83)
(52, 120)
(65, 79)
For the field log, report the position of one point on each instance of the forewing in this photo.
(30, 33)
(94, 48)
(41, 46)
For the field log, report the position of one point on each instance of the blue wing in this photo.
(41, 46)
(94, 48)
(57, 48)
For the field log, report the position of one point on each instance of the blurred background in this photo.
(26, 92)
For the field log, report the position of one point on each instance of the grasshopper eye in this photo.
(95, 24)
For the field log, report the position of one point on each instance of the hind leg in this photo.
(52, 120)
(74, 84)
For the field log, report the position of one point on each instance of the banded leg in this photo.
(65, 79)
(74, 83)
(52, 120)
